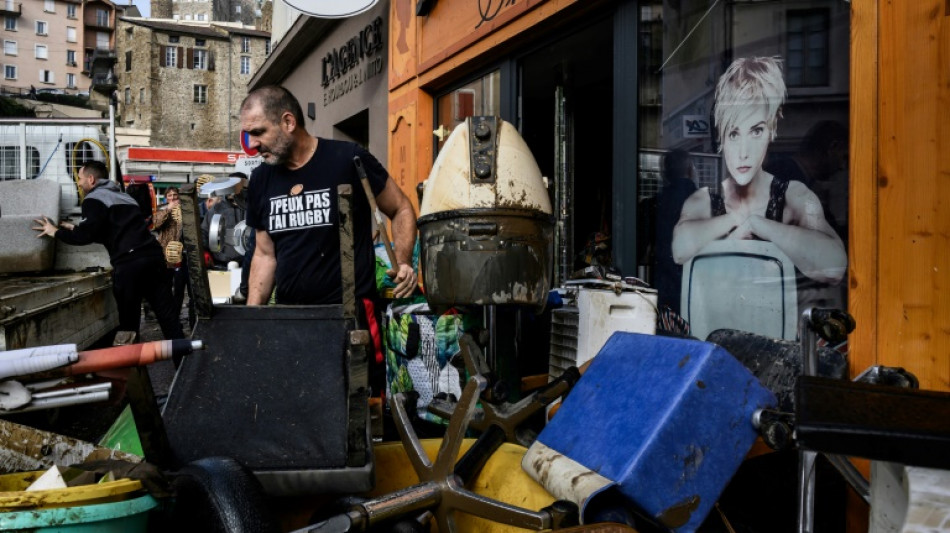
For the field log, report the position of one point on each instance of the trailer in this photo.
(51, 292)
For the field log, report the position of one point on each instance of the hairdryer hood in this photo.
(485, 163)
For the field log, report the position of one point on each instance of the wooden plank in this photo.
(940, 347)
(403, 152)
(402, 43)
(454, 60)
(26, 449)
(913, 266)
(862, 275)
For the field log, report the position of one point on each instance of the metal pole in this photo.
(806, 460)
(112, 155)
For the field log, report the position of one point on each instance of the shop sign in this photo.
(332, 9)
(348, 66)
(695, 127)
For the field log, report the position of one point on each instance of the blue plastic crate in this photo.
(667, 420)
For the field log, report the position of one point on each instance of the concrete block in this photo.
(22, 201)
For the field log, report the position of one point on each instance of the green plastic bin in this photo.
(128, 516)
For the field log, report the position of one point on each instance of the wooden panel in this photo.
(402, 42)
(456, 24)
(863, 251)
(862, 275)
(914, 229)
(401, 160)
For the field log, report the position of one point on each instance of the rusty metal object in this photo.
(347, 256)
(506, 417)
(486, 257)
(442, 490)
(483, 148)
(200, 287)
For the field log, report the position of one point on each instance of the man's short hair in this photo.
(747, 82)
(275, 101)
(97, 169)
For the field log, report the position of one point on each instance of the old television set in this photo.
(747, 285)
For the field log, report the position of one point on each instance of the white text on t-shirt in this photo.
(305, 210)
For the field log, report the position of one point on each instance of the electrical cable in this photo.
(72, 162)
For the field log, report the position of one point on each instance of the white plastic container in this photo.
(597, 315)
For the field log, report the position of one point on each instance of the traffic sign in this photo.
(247, 164)
(245, 141)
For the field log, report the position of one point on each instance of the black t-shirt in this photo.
(298, 209)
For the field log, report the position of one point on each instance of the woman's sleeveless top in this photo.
(773, 211)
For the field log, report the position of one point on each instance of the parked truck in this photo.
(50, 292)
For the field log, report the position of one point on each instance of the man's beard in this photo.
(281, 151)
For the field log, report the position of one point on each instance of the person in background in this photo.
(678, 185)
(821, 163)
(167, 227)
(232, 210)
(112, 218)
(754, 204)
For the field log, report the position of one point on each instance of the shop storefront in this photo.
(609, 94)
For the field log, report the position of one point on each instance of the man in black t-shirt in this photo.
(292, 206)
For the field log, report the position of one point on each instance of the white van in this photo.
(32, 150)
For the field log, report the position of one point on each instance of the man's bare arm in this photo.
(260, 282)
(395, 205)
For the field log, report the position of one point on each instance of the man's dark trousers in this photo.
(145, 277)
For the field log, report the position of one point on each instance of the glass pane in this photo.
(743, 140)
(480, 97)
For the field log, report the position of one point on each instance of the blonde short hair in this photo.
(750, 81)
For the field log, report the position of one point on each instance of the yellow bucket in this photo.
(13, 495)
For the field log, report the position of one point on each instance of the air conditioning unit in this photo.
(590, 316)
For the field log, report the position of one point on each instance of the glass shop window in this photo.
(743, 160)
(476, 98)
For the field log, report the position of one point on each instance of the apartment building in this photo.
(62, 46)
(184, 83)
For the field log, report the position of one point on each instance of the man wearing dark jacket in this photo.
(112, 218)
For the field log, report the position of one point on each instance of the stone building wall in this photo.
(169, 109)
(257, 53)
(134, 71)
(161, 9)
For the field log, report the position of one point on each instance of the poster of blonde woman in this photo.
(751, 203)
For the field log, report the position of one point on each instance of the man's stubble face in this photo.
(281, 149)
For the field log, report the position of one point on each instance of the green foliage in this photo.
(11, 108)
(64, 99)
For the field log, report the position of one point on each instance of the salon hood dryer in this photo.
(486, 223)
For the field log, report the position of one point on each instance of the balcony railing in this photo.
(104, 79)
(11, 9)
(99, 24)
